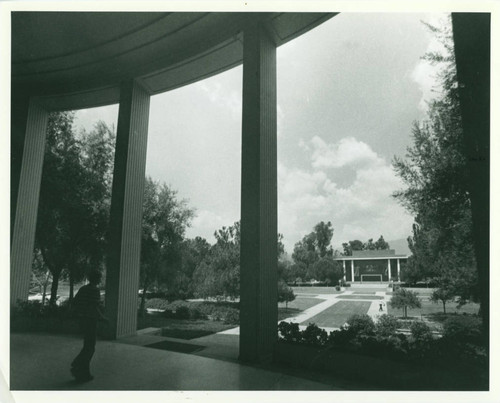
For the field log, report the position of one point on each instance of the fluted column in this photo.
(352, 271)
(399, 270)
(122, 276)
(259, 228)
(27, 195)
(343, 267)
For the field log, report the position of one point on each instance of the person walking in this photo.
(86, 307)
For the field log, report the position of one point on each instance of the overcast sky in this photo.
(348, 92)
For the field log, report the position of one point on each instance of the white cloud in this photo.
(205, 223)
(424, 73)
(347, 152)
(361, 209)
(227, 98)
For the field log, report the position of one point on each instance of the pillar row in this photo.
(259, 228)
(122, 276)
(28, 192)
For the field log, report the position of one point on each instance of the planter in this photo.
(385, 373)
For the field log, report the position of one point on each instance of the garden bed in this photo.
(385, 373)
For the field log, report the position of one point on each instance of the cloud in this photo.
(362, 208)
(347, 152)
(223, 96)
(205, 223)
(424, 73)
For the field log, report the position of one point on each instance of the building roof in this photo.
(372, 254)
(90, 53)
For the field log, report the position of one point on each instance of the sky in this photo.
(348, 93)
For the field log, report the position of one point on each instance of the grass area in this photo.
(430, 309)
(337, 314)
(182, 328)
(296, 307)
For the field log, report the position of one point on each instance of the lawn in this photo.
(182, 328)
(337, 314)
(296, 307)
(431, 308)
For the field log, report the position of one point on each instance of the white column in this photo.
(343, 266)
(259, 198)
(389, 269)
(352, 270)
(23, 231)
(122, 274)
(399, 269)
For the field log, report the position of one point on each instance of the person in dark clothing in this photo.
(86, 306)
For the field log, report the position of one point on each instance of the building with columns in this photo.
(372, 266)
(76, 60)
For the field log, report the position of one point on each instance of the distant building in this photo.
(372, 266)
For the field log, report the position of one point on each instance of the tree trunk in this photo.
(45, 285)
(53, 288)
(142, 309)
(71, 285)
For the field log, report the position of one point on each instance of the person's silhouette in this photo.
(86, 306)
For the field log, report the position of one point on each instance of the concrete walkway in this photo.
(41, 362)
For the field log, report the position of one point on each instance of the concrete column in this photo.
(388, 269)
(352, 271)
(259, 227)
(122, 276)
(399, 271)
(28, 191)
(343, 266)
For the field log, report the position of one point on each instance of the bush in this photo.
(182, 312)
(463, 329)
(386, 326)
(290, 332)
(314, 335)
(361, 325)
(421, 332)
(156, 303)
(337, 288)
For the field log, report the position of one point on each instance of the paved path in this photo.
(330, 300)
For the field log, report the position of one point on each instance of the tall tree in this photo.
(436, 192)
(314, 247)
(164, 222)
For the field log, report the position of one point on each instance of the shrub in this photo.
(232, 316)
(314, 335)
(182, 312)
(361, 325)
(156, 303)
(337, 288)
(421, 332)
(386, 326)
(463, 329)
(290, 332)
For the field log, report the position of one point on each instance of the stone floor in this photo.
(41, 362)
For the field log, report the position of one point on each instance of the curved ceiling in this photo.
(78, 59)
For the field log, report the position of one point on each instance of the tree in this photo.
(313, 247)
(164, 222)
(356, 245)
(405, 299)
(285, 293)
(74, 200)
(436, 185)
(381, 244)
(444, 295)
